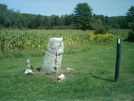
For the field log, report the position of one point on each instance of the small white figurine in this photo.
(28, 62)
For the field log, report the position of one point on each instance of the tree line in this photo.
(82, 18)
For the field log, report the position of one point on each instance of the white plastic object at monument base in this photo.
(28, 71)
(53, 56)
(70, 69)
(61, 78)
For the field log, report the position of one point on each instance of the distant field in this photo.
(36, 40)
(18, 42)
(93, 78)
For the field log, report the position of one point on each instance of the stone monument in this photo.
(53, 56)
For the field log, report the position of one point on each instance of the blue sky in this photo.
(62, 7)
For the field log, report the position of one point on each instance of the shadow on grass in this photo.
(128, 40)
(102, 78)
(38, 69)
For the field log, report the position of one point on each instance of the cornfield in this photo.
(31, 40)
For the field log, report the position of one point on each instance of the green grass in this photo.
(93, 78)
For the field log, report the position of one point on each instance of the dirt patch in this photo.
(64, 71)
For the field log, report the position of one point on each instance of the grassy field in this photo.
(93, 78)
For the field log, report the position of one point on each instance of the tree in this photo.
(54, 21)
(130, 14)
(130, 19)
(99, 28)
(3, 11)
(83, 15)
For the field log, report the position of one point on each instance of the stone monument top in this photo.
(53, 56)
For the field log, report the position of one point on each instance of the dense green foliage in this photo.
(100, 30)
(131, 36)
(130, 14)
(130, 19)
(14, 19)
(131, 33)
(99, 27)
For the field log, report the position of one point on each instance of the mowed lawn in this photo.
(92, 79)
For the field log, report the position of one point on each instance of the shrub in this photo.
(103, 39)
(131, 33)
(100, 30)
(131, 36)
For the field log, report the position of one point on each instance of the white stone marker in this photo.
(53, 56)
